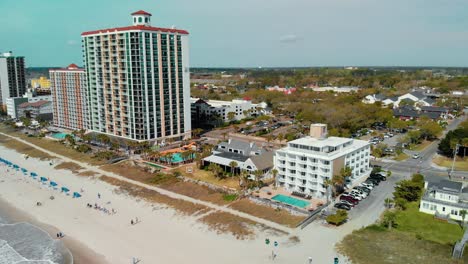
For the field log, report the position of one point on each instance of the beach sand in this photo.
(81, 254)
(161, 236)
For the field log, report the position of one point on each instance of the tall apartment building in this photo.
(68, 87)
(12, 77)
(138, 81)
(306, 163)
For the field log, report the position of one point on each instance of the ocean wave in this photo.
(24, 243)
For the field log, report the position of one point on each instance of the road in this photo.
(424, 164)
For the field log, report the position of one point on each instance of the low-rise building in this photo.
(285, 90)
(444, 199)
(342, 89)
(306, 163)
(247, 155)
(37, 110)
(31, 96)
(206, 110)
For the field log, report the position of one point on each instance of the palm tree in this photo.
(463, 215)
(327, 184)
(275, 173)
(197, 131)
(280, 137)
(233, 166)
(257, 174)
(389, 219)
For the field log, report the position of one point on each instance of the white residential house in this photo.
(445, 199)
(248, 156)
(373, 98)
(305, 164)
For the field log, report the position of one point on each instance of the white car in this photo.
(359, 193)
(354, 195)
(416, 156)
(367, 185)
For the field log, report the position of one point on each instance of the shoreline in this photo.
(81, 254)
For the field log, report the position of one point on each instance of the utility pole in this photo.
(455, 151)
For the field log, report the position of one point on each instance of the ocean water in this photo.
(22, 243)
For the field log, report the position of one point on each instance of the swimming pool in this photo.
(290, 200)
(176, 158)
(59, 135)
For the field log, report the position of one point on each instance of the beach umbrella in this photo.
(53, 184)
(76, 195)
(43, 179)
(65, 189)
(33, 174)
(24, 170)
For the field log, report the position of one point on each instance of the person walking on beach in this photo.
(99, 195)
(131, 222)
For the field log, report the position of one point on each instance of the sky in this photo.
(253, 33)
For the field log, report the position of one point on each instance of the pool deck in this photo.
(269, 192)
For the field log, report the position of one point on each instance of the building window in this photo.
(425, 206)
(443, 209)
(454, 212)
(140, 20)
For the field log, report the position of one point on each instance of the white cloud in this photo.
(290, 38)
(71, 42)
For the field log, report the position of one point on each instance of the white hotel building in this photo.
(138, 81)
(306, 163)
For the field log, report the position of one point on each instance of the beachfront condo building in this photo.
(68, 88)
(138, 81)
(12, 77)
(306, 163)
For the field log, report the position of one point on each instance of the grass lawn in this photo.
(378, 245)
(282, 217)
(207, 176)
(23, 148)
(422, 146)
(402, 156)
(54, 146)
(460, 163)
(426, 226)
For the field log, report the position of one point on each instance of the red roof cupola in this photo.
(72, 66)
(141, 18)
(141, 12)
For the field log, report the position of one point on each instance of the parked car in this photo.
(373, 181)
(347, 202)
(378, 177)
(349, 198)
(363, 189)
(358, 192)
(353, 195)
(416, 156)
(367, 185)
(343, 206)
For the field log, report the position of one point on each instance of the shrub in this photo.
(83, 148)
(338, 218)
(401, 203)
(229, 197)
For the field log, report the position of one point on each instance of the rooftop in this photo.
(141, 12)
(330, 141)
(135, 28)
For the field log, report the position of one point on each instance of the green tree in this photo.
(463, 214)
(429, 128)
(70, 140)
(389, 219)
(231, 116)
(274, 172)
(401, 203)
(338, 218)
(233, 166)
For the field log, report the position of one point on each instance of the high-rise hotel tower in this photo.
(138, 81)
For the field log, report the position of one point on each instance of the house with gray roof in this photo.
(445, 199)
(247, 155)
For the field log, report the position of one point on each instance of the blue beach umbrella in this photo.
(43, 179)
(65, 189)
(76, 195)
(24, 170)
(33, 174)
(53, 184)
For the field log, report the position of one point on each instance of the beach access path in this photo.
(160, 190)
